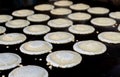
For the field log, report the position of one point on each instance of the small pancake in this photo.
(22, 13)
(103, 21)
(90, 47)
(79, 7)
(81, 29)
(9, 60)
(60, 11)
(79, 16)
(115, 15)
(12, 38)
(63, 3)
(36, 47)
(64, 58)
(98, 10)
(59, 37)
(119, 28)
(110, 37)
(29, 71)
(17, 23)
(44, 7)
(38, 17)
(5, 18)
(36, 29)
(2, 29)
(60, 23)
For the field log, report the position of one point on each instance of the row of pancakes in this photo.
(61, 58)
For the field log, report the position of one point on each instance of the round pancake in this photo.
(36, 29)
(103, 21)
(22, 13)
(119, 28)
(110, 37)
(79, 7)
(98, 10)
(64, 58)
(60, 11)
(36, 47)
(59, 37)
(79, 16)
(89, 47)
(5, 18)
(60, 23)
(12, 38)
(17, 23)
(81, 29)
(29, 71)
(9, 60)
(44, 7)
(2, 29)
(38, 17)
(115, 15)
(63, 3)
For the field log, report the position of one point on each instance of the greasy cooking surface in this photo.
(105, 65)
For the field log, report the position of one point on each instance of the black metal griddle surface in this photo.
(105, 65)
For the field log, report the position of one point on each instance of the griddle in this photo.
(104, 65)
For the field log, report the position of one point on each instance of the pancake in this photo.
(64, 58)
(29, 71)
(59, 37)
(115, 15)
(60, 11)
(79, 16)
(81, 29)
(36, 47)
(5, 18)
(9, 60)
(38, 17)
(44, 7)
(22, 13)
(63, 3)
(60, 23)
(119, 28)
(36, 29)
(79, 7)
(17, 23)
(12, 38)
(2, 29)
(103, 21)
(90, 47)
(110, 37)
(98, 10)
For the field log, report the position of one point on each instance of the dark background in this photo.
(10, 4)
